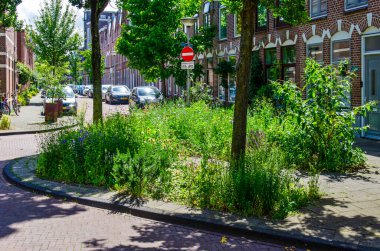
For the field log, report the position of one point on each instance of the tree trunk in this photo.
(239, 134)
(96, 58)
(226, 97)
(163, 81)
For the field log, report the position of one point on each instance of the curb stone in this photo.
(11, 133)
(186, 219)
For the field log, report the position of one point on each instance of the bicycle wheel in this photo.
(6, 110)
(15, 107)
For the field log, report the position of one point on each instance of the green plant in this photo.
(324, 133)
(201, 92)
(25, 73)
(5, 122)
(144, 172)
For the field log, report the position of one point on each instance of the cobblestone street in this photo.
(34, 222)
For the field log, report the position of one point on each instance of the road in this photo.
(33, 222)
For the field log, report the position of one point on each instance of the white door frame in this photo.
(363, 79)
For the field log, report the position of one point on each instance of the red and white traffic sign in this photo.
(187, 54)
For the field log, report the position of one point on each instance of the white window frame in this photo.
(356, 7)
(235, 26)
(318, 16)
(220, 11)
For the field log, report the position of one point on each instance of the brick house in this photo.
(13, 49)
(116, 70)
(8, 59)
(338, 30)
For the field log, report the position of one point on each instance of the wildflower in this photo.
(64, 141)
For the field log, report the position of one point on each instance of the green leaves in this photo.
(152, 42)
(324, 122)
(8, 14)
(53, 36)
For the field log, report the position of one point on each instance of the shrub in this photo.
(5, 122)
(145, 172)
(86, 156)
(319, 130)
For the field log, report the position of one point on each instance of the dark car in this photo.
(117, 94)
(143, 95)
(90, 92)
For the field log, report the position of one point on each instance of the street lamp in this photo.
(188, 22)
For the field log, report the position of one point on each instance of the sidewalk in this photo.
(31, 121)
(346, 218)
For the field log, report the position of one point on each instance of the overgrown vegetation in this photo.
(179, 153)
(5, 122)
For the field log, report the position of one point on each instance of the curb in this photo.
(36, 131)
(207, 224)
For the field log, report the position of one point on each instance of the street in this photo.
(85, 105)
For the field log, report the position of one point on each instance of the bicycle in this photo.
(15, 104)
(4, 107)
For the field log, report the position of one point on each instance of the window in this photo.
(340, 51)
(237, 25)
(270, 60)
(262, 18)
(232, 81)
(315, 51)
(355, 4)
(206, 15)
(223, 23)
(318, 8)
(372, 43)
(288, 58)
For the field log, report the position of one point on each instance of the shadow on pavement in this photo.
(17, 206)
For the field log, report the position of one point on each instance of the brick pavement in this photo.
(34, 222)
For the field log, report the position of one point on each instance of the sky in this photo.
(28, 10)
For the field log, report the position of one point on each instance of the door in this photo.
(372, 93)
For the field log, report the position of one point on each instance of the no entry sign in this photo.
(187, 54)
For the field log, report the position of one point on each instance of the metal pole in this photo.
(188, 71)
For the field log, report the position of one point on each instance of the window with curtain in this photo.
(315, 51)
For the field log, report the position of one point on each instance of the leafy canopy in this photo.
(53, 36)
(8, 12)
(152, 40)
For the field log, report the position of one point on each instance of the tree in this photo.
(87, 63)
(152, 43)
(8, 14)
(75, 66)
(96, 7)
(293, 12)
(53, 35)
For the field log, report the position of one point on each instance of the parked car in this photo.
(117, 94)
(80, 89)
(143, 95)
(104, 91)
(69, 101)
(90, 92)
(85, 89)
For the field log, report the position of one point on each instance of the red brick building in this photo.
(338, 30)
(116, 69)
(13, 49)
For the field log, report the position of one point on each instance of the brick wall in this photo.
(353, 22)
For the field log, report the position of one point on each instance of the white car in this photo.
(104, 91)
